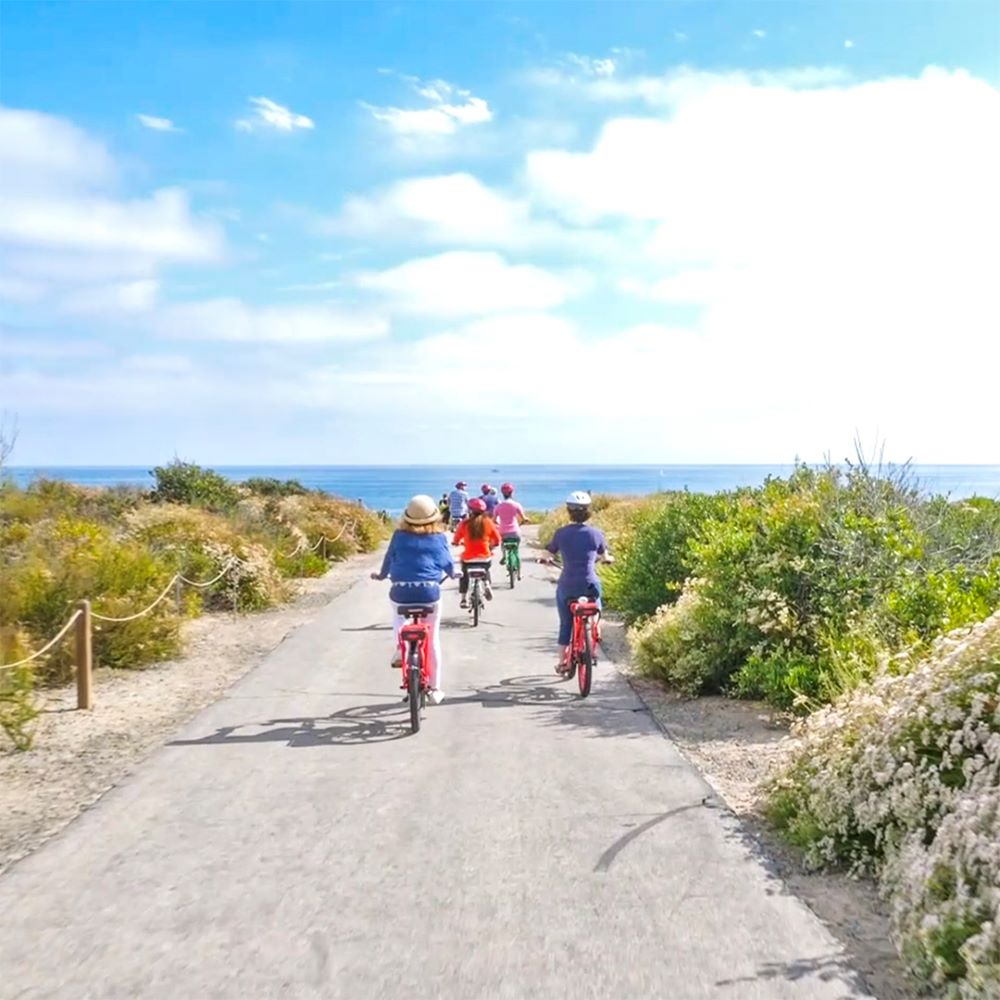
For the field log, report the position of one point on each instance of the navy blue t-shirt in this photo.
(579, 545)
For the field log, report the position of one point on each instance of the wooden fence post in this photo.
(324, 547)
(84, 658)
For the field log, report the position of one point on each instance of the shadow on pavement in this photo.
(823, 967)
(349, 727)
(557, 701)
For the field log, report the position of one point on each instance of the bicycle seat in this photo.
(585, 607)
(415, 610)
(477, 572)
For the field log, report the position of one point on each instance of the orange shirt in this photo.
(476, 549)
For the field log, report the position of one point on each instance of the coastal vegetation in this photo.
(868, 610)
(241, 545)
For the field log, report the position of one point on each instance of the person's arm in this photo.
(521, 516)
(459, 538)
(602, 549)
(386, 561)
(553, 548)
(495, 535)
(447, 563)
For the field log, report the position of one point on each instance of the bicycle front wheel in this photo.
(585, 667)
(413, 690)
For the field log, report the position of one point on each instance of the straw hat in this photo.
(421, 510)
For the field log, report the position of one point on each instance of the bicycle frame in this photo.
(414, 641)
(583, 653)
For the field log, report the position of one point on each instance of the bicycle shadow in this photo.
(354, 726)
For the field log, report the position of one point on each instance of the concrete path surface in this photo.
(295, 841)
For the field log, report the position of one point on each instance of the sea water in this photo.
(539, 487)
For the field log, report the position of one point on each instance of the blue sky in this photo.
(499, 232)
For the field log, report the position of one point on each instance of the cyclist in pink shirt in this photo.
(509, 516)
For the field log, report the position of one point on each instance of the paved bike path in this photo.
(295, 841)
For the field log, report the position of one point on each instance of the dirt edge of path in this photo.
(734, 745)
(79, 756)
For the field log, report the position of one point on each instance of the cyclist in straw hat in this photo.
(417, 560)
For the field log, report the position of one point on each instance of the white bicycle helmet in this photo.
(578, 499)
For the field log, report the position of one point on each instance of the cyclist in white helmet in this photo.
(579, 545)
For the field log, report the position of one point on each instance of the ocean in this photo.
(539, 487)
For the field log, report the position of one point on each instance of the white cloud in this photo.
(680, 36)
(42, 152)
(118, 297)
(468, 283)
(450, 109)
(68, 241)
(848, 43)
(593, 67)
(268, 114)
(677, 86)
(458, 210)
(452, 208)
(759, 33)
(157, 124)
(161, 226)
(232, 319)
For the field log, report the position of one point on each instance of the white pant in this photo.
(433, 622)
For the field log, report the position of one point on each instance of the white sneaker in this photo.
(436, 696)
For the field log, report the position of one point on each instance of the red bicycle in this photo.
(582, 656)
(414, 648)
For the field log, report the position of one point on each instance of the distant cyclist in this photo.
(478, 536)
(509, 516)
(579, 545)
(489, 497)
(458, 502)
(445, 508)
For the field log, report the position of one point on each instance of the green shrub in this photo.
(268, 486)
(68, 559)
(652, 551)
(17, 685)
(186, 483)
(671, 644)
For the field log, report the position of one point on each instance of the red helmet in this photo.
(507, 489)
(486, 487)
(477, 506)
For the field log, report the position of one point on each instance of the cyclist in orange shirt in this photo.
(478, 536)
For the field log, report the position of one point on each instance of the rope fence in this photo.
(83, 617)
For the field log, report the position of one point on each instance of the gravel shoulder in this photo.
(78, 756)
(736, 745)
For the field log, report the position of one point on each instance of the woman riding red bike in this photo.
(579, 545)
(417, 559)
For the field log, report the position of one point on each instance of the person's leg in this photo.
(435, 665)
(397, 624)
(488, 589)
(565, 627)
(463, 585)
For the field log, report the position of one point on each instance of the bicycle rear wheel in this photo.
(413, 689)
(584, 671)
(476, 602)
(511, 570)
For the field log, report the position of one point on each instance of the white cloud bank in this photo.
(68, 238)
(467, 283)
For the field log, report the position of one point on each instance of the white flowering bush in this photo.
(666, 645)
(900, 778)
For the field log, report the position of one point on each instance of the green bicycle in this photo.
(512, 559)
